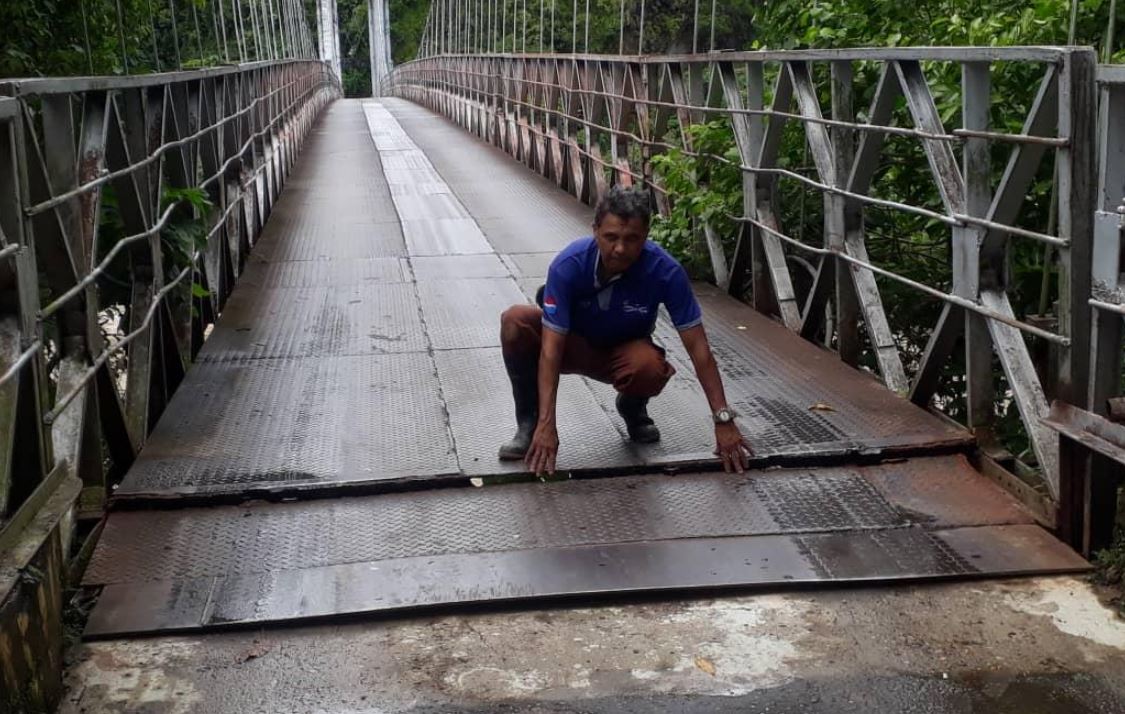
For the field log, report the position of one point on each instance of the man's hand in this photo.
(544, 447)
(732, 448)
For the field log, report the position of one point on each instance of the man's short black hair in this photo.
(625, 203)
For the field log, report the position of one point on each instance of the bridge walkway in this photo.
(356, 369)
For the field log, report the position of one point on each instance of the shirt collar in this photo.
(597, 264)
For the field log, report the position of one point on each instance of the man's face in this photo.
(620, 241)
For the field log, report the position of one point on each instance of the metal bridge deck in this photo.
(359, 354)
(361, 347)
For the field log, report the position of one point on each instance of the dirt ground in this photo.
(1041, 645)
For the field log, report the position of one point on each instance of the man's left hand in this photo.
(734, 450)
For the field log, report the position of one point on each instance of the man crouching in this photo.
(599, 307)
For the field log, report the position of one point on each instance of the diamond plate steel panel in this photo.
(454, 267)
(429, 207)
(444, 237)
(427, 176)
(761, 357)
(481, 415)
(371, 318)
(466, 313)
(529, 265)
(329, 420)
(325, 240)
(774, 379)
(403, 159)
(526, 234)
(685, 565)
(420, 188)
(323, 273)
(518, 210)
(890, 553)
(260, 537)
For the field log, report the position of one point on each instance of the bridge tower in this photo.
(379, 36)
(328, 34)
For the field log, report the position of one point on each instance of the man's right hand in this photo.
(540, 457)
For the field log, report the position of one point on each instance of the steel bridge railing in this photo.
(589, 121)
(128, 206)
(1092, 439)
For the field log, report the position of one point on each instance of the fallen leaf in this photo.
(821, 407)
(254, 652)
(705, 665)
(478, 482)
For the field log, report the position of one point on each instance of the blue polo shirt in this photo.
(625, 307)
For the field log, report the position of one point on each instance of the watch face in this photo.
(723, 415)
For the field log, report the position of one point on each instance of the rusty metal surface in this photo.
(199, 542)
(206, 568)
(326, 420)
(1091, 430)
(419, 583)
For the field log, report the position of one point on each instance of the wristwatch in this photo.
(724, 416)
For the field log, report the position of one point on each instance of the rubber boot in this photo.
(524, 376)
(634, 410)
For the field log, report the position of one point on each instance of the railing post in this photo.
(1076, 169)
(1106, 328)
(34, 498)
(976, 170)
(835, 207)
(25, 445)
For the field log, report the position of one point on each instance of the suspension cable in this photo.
(152, 26)
(695, 30)
(712, 25)
(121, 34)
(641, 34)
(223, 29)
(621, 30)
(198, 32)
(175, 33)
(586, 46)
(86, 33)
(574, 31)
(239, 36)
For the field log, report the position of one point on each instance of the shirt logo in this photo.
(631, 307)
(550, 306)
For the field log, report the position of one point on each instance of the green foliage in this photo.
(89, 37)
(186, 232)
(706, 190)
(183, 234)
(1110, 563)
(355, 56)
(860, 23)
